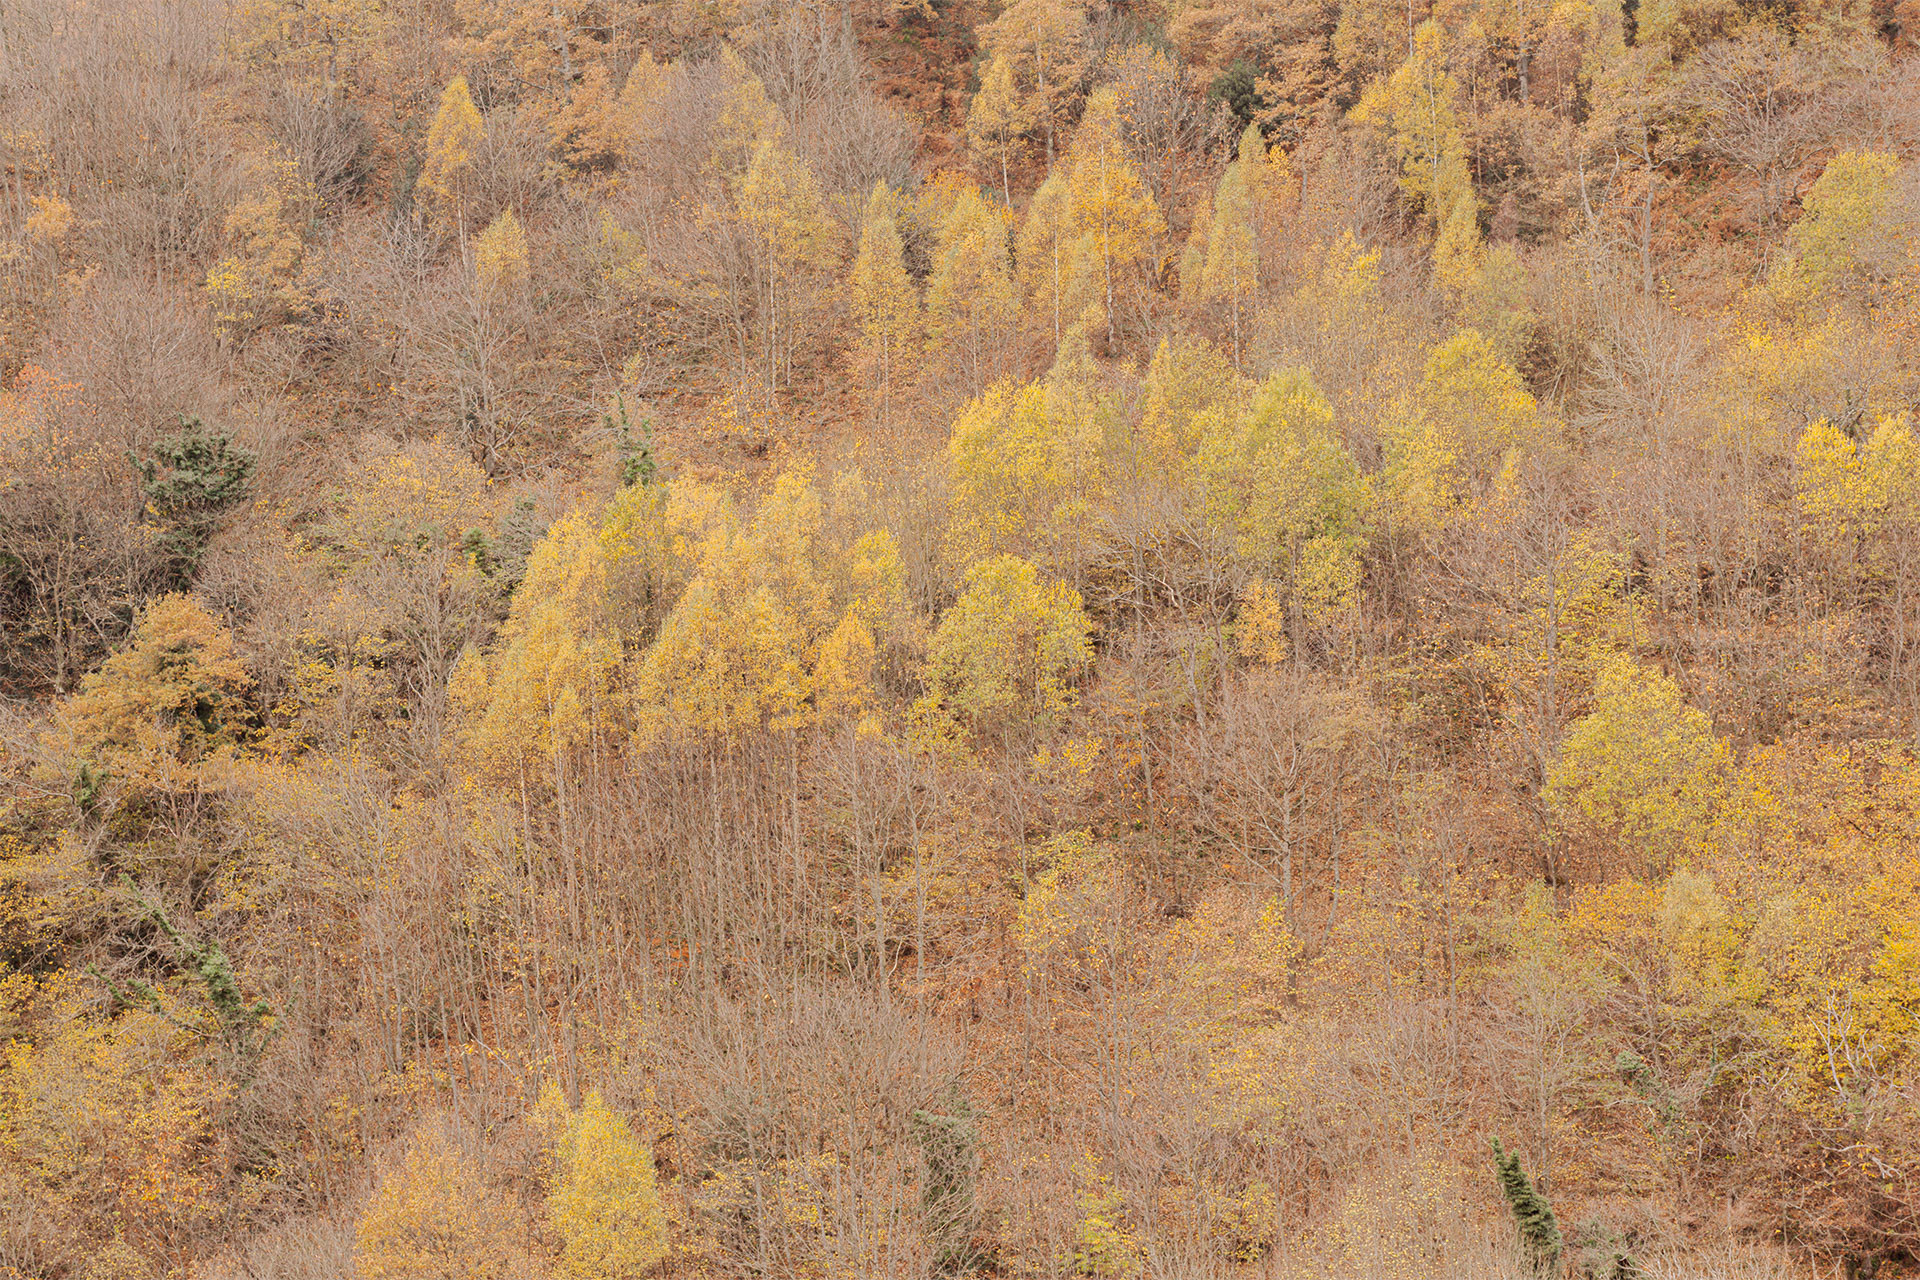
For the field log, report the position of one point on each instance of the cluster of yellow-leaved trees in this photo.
(614, 674)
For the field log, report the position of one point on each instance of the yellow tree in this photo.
(883, 294)
(530, 45)
(1005, 654)
(338, 36)
(1473, 418)
(1278, 483)
(1193, 255)
(500, 260)
(446, 175)
(1043, 41)
(1852, 226)
(638, 111)
(159, 718)
(1642, 767)
(1415, 109)
(970, 303)
(1112, 209)
(1481, 403)
(434, 1218)
(736, 653)
(645, 569)
(1189, 387)
(1024, 464)
(1273, 188)
(1850, 486)
(263, 281)
(412, 593)
(1052, 270)
(749, 117)
(551, 685)
(1232, 269)
(790, 239)
(993, 120)
(604, 1203)
(1862, 498)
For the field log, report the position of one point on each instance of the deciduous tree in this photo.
(446, 174)
(604, 1204)
(994, 123)
(1006, 653)
(1112, 209)
(970, 302)
(884, 297)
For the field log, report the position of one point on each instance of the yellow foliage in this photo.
(1844, 487)
(728, 660)
(1392, 1222)
(843, 670)
(995, 119)
(1228, 976)
(1188, 385)
(1025, 472)
(780, 198)
(639, 105)
(1057, 275)
(1564, 624)
(1642, 766)
(550, 688)
(970, 301)
(163, 712)
(407, 500)
(434, 1218)
(500, 259)
(875, 587)
(1851, 225)
(646, 564)
(1042, 42)
(446, 174)
(1117, 218)
(1069, 905)
(1005, 651)
(1232, 266)
(603, 1204)
(119, 1135)
(594, 128)
(1481, 404)
(1262, 631)
(883, 294)
(758, 639)
(262, 281)
(1473, 420)
(1104, 1246)
(749, 118)
(1414, 107)
(333, 37)
(51, 219)
(1701, 937)
(1276, 475)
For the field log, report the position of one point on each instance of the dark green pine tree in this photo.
(637, 463)
(194, 476)
(950, 1146)
(1539, 1232)
(244, 1028)
(1238, 87)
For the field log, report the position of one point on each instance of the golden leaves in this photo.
(434, 1218)
(446, 173)
(603, 1204)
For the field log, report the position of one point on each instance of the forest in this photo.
(921, 639)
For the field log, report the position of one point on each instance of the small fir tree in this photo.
(1539, 1232)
